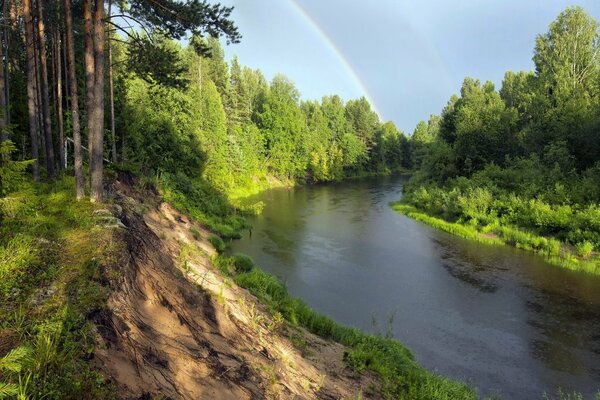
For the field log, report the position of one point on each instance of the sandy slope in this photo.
(175, 327)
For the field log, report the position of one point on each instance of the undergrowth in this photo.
(51, 255)
(496, 234)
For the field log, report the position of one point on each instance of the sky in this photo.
(407, 57)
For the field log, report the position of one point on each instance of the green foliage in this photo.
(521, 164)
(530, 225)
(11, 172)
(584, 249)
(50, 283)
(200, 200)
(12, 363)
(217, 243)
(242, 263)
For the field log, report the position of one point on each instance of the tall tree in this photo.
(111, 91)
(4, 112)
(97, 111)
(88, 43)
(31, 91)
(58, 95)
(43, 64)
(75, 118)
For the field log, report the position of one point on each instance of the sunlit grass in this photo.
(495, 234)
(51, 249)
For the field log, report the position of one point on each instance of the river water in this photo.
(499, 318)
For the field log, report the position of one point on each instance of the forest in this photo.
(98, 91)
(91, 90)
(521, 164)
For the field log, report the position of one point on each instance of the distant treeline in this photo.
(528, 155)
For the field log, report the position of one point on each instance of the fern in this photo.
(14, 360)
(8, 390)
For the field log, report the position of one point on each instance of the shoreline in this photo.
(506, 236)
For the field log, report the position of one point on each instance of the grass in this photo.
(495, 234)
(400, 375)
(464, 231)
(52, 256)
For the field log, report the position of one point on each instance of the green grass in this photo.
(495, 234)
(464, 231)
(401, 377)
(51, 256)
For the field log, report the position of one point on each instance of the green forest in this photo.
(520, 165)
(94, 90)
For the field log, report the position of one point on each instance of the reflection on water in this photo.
(496, 316)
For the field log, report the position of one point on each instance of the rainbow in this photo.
(338, 53)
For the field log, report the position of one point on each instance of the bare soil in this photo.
(175, 327)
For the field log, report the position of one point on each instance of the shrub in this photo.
(217, 243)
(584, 249)
(242, 263)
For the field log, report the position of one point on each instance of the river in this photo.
(497, 317)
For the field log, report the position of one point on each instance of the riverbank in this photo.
(129, 299)
(553, 251)
(384, 362)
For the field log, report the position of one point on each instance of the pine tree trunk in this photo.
(98, 106)
(4, 79)
(45, 96)
(3, 103)
(89, 72)
(70, 47)
(31, 92)
(111, 93)
(59, 98)
(38, 91)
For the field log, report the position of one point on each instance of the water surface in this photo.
(498, 317)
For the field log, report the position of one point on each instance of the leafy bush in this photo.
(217, 243)
(584, 249)
(242, 263)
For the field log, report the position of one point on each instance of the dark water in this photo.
(498, 317)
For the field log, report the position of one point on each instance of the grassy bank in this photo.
(555, 252)
(53, 251)
(401, 377)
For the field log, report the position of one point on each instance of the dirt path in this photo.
(175, 327)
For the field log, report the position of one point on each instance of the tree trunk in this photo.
(4, 78)
(111, 92)
(70, 45)
(59, 98)
(98, 105)
(31, 92)
(89, 72)
(38, 90)
(45, 96)
(3, 102)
